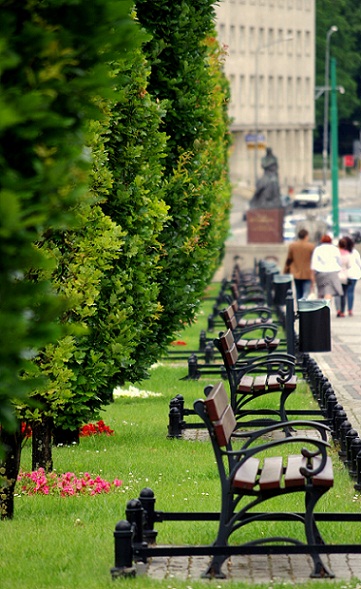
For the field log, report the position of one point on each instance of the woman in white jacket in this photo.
(353, 273)
(325, 266)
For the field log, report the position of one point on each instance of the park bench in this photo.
(267, 341)
(253, 467)
(251, 379)
(246, 474)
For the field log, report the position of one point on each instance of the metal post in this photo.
(330, 32)
(290, 327)
(123, 550)
(334, 149)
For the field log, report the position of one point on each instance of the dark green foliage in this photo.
(185, 70)
(53, 61)
(345, 46)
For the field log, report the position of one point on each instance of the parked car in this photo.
(349, 222)
(312, 196)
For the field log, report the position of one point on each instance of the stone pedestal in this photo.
(265, 226)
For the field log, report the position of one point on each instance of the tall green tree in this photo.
(345, 46)
(186, 72)
(107, 267)
(54, 57)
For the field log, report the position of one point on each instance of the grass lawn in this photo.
(67, 543)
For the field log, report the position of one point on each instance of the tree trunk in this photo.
(41, 445)
(9, 470)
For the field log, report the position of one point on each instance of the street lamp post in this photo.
(256, 98)
(330, 32)
(334, 149)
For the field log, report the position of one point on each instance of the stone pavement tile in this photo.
(284, 568)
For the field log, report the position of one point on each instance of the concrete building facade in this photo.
(270, 65)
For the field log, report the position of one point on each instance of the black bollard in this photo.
(357, 485)
(202, 340)
(209, 353)
(355, 449)
(123, 550)
(350, 437)
(344, 428)
(340, 417)
(338, 407)
(174, 423)
(331, 403)
(134, 513)
(147, 499)
(179, 399)
(210, 323)
(193, 373)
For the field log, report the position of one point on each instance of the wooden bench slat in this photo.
(259, 383)
(242, 344)
(272, 383)
(216, 402)
(325, 478)
(246, 475)
(293, 477)
(271, 475)
(224, 427)
(245, 384)
(291, 383)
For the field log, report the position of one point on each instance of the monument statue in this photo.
(267, 194)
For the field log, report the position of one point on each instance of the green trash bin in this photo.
(314, 325)
(282, 283)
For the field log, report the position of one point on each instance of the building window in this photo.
(232, 39)
(271, 91)
(290, 92)
(299, 96)
(271, 40)
(232, 82)
(280, 43)
(242, 39)
(261, 91)
(222, 33)
(299, 43)
(290, 42)
(252, 39)
(251, 90)
(242, 90)
(261, 37)
(307, 93)
(307, 43)
(280, 91)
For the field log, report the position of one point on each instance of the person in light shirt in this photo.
(353, 274)
(325, 266)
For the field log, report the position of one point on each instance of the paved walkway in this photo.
(342, 366)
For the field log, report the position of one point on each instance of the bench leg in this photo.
(214, 571)
(313, 535)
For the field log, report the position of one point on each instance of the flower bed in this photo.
(39, 482)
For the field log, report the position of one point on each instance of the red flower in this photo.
(91, 429)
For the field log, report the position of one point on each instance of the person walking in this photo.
(325, 266)
(298, 263)
(343, 274)
(354, 273)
